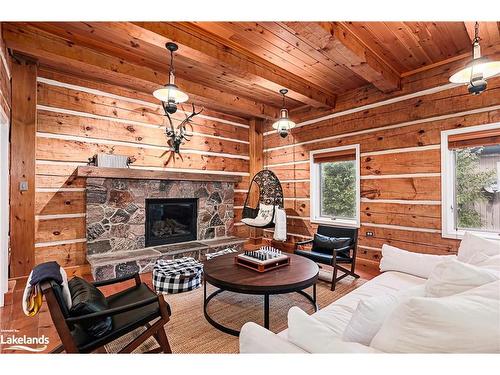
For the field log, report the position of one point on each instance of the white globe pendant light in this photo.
(170, 95)
(475, 73)
(283, 125)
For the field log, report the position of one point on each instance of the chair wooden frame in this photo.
(64, 324)
(335, 262)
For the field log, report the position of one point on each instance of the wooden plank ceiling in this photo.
(238, 67)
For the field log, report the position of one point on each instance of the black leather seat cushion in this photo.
(324, 244)
(124, 322)
(323, 258)
(87, 299)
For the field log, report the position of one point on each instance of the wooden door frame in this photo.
(4, 204)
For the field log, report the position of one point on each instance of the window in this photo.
(470, 161)
(335, 186)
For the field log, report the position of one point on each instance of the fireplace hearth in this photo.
(170, 220)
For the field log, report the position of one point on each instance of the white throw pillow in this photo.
(479, 251)
(452, 277)
(266, 212)
(371, 313)
(310, 334)
(264, 216)
(417, 264)
(468, 322)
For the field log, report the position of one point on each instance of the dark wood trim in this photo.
(144, 174)
(22, 165)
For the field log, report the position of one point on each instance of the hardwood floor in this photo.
(13, 320)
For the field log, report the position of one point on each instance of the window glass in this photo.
(338, 189)
(477, 188)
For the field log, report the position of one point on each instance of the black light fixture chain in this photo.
(476, 33)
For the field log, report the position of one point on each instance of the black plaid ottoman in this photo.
(177, 275)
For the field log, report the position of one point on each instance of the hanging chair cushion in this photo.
(263, 218)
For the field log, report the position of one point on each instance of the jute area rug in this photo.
(189, 332)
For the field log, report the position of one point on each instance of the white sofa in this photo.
(433, 302)
(256, 339)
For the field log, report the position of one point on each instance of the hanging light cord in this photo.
(172, 70)
(283, 100)
(474, 42)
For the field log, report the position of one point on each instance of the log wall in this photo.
(400, 162)
(78, 118)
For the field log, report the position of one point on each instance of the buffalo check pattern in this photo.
(177, 275)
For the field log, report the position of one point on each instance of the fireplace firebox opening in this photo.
(171, 220)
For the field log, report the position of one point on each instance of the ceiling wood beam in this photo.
(69, 57)
(338, 43)
(204, 47)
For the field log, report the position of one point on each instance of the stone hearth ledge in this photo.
(120, 263)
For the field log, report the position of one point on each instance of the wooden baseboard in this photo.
(368, 266)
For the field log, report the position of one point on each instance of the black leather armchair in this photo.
(134, 307)
(332, 256)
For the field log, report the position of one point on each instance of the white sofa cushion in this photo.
(417, 264)
(372, 312)
(468, 322)
(338, 314)
(257, 339)
(452, 277)
(479, 251)
(311, 335)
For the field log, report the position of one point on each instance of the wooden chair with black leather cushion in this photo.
(94, 320)
(331, 246)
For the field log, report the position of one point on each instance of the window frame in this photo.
(448, 167)
(315, 189)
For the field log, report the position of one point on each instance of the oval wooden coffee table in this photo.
(224, 274)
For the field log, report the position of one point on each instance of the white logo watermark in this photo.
(15, 341)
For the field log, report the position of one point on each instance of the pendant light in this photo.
(170, 95)
(284, 124)
(475, 73)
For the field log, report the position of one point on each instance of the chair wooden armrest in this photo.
(342, 248)
(118, 280)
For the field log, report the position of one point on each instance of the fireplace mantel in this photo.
(144, 174)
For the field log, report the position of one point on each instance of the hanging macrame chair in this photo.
(270, 194)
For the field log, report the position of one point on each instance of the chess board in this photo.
(265, 259)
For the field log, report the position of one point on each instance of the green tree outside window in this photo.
(470, 183)
(338, 189)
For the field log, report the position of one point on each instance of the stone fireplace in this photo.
(117, 212)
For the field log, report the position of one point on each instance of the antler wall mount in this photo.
(180, 135)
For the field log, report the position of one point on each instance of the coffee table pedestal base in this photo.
(207, 299)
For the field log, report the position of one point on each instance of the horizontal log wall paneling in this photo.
(78, 118)
(400, 167)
